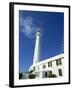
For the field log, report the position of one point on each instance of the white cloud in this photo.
(29, 26)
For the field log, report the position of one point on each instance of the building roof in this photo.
(48, 60)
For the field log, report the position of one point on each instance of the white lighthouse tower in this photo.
(37, 51)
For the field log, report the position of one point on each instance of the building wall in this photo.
(45, 71)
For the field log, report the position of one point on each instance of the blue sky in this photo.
(52, 25)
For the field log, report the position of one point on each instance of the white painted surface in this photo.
(16, 66)
(39, 66)
(4, 45)
(37, 52)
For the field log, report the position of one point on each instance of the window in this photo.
(45, 74)
(49, 72)
(37, 74)
(33, 68)
(58, 62)
(49, 64)
(60, 72)
(44, 66)
(38, 67)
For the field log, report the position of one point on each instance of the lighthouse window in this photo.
(58, 62)
(44, 66)
(49, 64)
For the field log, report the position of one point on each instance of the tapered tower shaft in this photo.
(37, 51)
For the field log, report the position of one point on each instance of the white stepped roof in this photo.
(48, 60)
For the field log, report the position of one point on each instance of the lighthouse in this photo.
(37, 51)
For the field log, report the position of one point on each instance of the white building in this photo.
(50, 67)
